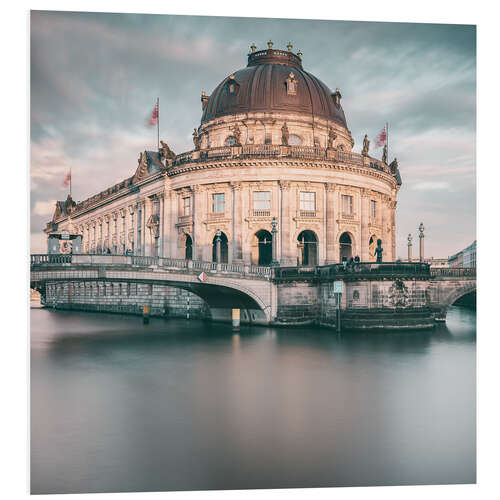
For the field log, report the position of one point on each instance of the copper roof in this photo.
(261, 87)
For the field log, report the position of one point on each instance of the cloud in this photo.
(44, 208)
(432, 186)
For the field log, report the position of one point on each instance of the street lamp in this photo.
(421, 236)
(274, 232)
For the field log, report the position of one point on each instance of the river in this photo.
(120, 406)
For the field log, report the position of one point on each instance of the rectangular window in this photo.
(268, 138)
(346, 204)
(308, 201)
(373, 208)
(262, 200)
(218, 203)
(187, 205)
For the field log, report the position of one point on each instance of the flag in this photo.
(67, 180)
(382, 138)
(154, 117)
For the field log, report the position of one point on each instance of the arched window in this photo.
(223, 248)
(345, 247)
(307, 248)
(262, 248)
(188, 247)
(230, 141)
(294, 140)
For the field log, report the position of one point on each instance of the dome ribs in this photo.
(262, 89)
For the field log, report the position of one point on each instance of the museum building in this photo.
(272, 179)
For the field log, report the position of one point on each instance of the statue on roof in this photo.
(366, 146)
(196, 140)
(331, 138)
(394, 166)
(165, 152)
(384, 154)
(237, 135)
(284, 135)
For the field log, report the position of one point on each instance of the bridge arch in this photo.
(454, 296)
(221, 293)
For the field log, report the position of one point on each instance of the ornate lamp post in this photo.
(274, 232)
(217, 246)
(409, 247)
(421, 236)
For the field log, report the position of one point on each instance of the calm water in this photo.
(121, 406)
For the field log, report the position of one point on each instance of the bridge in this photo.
(399, 294)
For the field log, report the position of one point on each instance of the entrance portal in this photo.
(188, 252)
(307, 248)
(262, 248)
(345, 247)
(223, 248)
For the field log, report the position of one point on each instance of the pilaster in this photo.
(237, 222)
(330, 223)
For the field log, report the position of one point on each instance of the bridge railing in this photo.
(359, 269)
(150, 261)
(50, 259)
(454, 272)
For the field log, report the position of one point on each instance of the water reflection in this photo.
(122, 406)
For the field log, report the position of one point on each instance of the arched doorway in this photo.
(307, 248)
(262, 248)
(223, 248)
(345, 247)
(188, 247)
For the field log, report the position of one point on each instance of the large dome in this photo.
(264, 86)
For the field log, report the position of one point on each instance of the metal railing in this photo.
(357, 269)
(50, 259)
(276, 150)
(151, 261)
(454, 272)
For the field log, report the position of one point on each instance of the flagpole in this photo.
(158, 124)
(387, 138)
(70, 175)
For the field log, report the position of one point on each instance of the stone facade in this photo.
(124, 297)
(274, 156)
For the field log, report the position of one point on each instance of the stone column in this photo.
(93, 237)
(409, 247)
(217, 246)
(365, 220)
(337, 210)
(161, 252)
(147, 233)
(288, 254)
(237, 222)
(174, 211)
(131, 229)
(331, 224)
(197, 236)
(123, 230)
(137, 235)
(383, 225)
(393, 229)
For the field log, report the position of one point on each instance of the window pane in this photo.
(262, 200)
(308, 201)
(187, 206)
(373, 208)
(219, 202)
(346, 204)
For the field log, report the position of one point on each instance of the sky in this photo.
(95, 79)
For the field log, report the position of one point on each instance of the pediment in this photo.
(142, 169)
